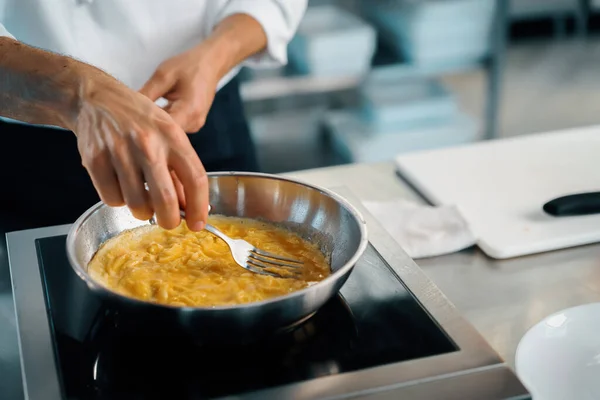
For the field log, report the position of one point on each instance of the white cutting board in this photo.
(501, 185)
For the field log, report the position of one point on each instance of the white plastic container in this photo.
(405, 102)
(435, 31)
(331, 40)
(359, 142)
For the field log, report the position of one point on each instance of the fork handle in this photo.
(211, 228)
(218, 233)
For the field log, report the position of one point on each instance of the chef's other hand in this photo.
(126, 140)
(189, 82)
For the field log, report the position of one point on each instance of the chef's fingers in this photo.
(163, 195)
(178, 114)
(179, 189)
(104, 178)
(159, 84)
(186, 114)
(132, 184)
(190, 171)
(107, 185)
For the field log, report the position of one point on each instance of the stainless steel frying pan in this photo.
(315, 213)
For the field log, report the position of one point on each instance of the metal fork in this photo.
(254, 259)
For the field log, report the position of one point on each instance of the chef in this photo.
(127, 101)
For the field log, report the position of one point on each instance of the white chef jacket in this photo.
(130, 38)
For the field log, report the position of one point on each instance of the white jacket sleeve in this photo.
(279, 19)
(4, 32)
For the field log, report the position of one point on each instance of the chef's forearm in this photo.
(37, 86)
(233, 40)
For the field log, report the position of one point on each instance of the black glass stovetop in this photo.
(374, 321)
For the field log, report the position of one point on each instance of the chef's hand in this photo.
(126, 140)
(189, 82)
(123, 137)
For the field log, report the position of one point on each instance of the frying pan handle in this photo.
(574, 204)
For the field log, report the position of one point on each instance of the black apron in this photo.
(43, 182)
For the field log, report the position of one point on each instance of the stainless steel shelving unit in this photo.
(288, 84)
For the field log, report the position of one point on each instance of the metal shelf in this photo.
(271, 88)
(295, 85)
(289, 84)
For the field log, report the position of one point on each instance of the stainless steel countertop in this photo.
(501, 298)
(473, 370)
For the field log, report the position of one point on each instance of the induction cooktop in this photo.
(374, 321)
(387, 328)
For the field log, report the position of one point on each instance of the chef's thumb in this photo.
(179, 113)
(158, 85)
(186, 117)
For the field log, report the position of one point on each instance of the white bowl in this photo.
(559, 358)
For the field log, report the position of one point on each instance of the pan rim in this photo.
(335, 276)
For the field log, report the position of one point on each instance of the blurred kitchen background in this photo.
(370, 79)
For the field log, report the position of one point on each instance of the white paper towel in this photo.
(421, 230)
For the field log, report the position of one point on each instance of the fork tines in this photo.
(261, 261)
(270, 258)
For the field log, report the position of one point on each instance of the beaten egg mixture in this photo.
(184, 268)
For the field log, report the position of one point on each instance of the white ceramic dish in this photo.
(559, 358)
